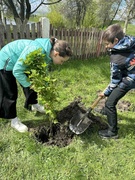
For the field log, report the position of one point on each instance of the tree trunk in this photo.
(125, 25)
(21, 26)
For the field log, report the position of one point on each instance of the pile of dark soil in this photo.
(60, 134)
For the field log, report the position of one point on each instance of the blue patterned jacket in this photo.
(122, 64)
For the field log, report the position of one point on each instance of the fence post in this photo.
(45, 27)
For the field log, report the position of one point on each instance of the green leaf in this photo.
(41, 81)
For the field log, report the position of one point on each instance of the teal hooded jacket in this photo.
(12, 53)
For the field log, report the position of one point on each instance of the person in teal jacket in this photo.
(12, 69)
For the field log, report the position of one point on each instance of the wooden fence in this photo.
(85, 43)
(10, 33)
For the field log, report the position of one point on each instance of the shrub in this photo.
(41, 81)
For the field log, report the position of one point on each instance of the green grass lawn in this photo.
(130, 30)
(88, 157)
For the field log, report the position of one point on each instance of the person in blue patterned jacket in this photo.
(122, 61)
(12, 69)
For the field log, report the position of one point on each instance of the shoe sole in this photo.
(24, 131)
(36, 110)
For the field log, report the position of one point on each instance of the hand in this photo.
(101, 95)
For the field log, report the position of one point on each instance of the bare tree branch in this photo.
(119, 3)
(130, 13)
(11, 6)
(21, 9)
(42, 3)
(52, 2)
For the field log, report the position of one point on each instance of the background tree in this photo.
(72, 12)
(87, 13)
(2, 10)
(21, 9)
(76, 10)
(130, 12)
(106, 12)
(91, 19)
(55, 15)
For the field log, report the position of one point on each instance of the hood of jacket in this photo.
(127, 43)
(46, 46)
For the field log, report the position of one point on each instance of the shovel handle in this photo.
(96, 102)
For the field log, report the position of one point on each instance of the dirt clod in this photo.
(60, 135)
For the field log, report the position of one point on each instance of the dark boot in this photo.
(107, 133)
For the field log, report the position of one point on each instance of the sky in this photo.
(42, 9)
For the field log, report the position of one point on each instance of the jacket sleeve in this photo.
(19, 68)
(115, 79)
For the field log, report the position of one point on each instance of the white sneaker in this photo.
(38, 107)
(16, 124)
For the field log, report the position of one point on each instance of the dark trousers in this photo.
(110, 105)
(9, 94)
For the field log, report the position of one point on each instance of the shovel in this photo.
(80, 121)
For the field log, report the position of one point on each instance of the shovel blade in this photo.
(79, 123)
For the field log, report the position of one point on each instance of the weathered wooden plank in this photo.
(8, 33)
(15, 32)
(85, 43)
(27, 32)
(33, 31)
(2, 36)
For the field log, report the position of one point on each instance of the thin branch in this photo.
(42, 3)
(52, 2)
(36, 8)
